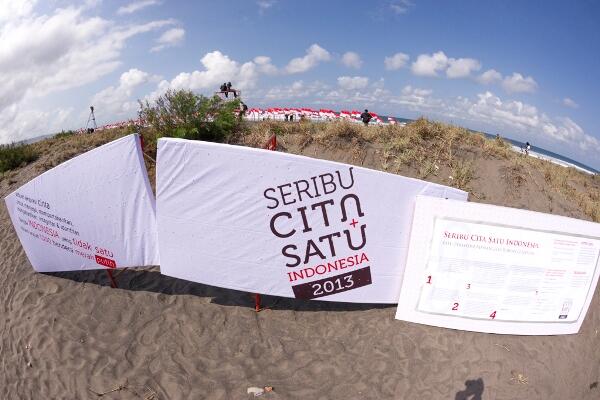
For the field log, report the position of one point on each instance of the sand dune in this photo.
(68, 335)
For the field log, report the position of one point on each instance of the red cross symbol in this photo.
(353, 223)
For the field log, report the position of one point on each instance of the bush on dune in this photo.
(184, 114)
(14, 156)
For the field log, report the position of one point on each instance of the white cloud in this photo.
(314, 55)
(264, 65)
(416, 99)
(264, 5)
(40, 55)
(400, 6)
(88, 4)
(462, 67)
(17, 122)
(517, 83)
(218, 68)
(136, 6)
(396, 61)
(570, 103)
(409, 90)
(353, 82)
(44, 54)
(429, 65)
(526, 118)
(117, 100)
(297, 90)
(566, 130)
(170, 38)
(11, 9)
(513, 113)
(352, 60)
(489, 77)
(372, 95)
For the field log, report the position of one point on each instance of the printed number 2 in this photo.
(429, 279)
(455, 307)
(493, 315)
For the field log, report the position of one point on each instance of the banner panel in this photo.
(500, 270)
(94, 211)
(280, 224)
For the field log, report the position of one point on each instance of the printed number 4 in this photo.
(455, 307)
(493, 315)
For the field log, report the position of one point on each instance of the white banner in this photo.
(280, 224)
(96, 210)
(495, 269)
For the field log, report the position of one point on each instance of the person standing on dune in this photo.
(366, 117)
(224, 89)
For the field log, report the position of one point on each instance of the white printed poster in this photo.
(499, 270)
(274, 223)
(94, 211)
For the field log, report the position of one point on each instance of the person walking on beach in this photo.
(366, 117)
(527, 148)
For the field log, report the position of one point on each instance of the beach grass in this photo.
(13, 156)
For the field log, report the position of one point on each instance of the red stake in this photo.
(257, 302)
(271, 143)
(113, 283)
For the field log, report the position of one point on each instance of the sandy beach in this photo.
(72, 336)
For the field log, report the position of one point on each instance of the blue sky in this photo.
(528, 70)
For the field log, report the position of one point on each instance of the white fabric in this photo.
(94, 211)
(214, 221)
(495, 269)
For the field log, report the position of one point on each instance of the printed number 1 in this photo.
(455, 307)
(429, 279)
(493, 315)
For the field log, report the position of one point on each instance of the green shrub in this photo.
(14, 156)
(183, 114)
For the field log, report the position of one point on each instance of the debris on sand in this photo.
(256, 391)
(518, 378)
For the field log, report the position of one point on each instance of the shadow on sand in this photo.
(151, 280)
(473, 390)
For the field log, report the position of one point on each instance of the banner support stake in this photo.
(113, 283)
(257, 307)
